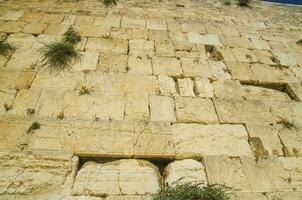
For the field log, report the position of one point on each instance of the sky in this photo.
(287, 1)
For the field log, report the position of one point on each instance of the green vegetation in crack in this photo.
(34, 126)
(6, 48)
(189, 191)
(71, 37)
(243, 3)
(109, 2)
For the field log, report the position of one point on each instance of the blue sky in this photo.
(287, 1)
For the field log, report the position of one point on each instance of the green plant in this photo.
(227, 3)
(6, 48)
(34, 126)
(59, 56)
(189, 191)
(110, 2)
(71, 37)
(244, 3)
(299, 42)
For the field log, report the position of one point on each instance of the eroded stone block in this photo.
(162, 108)
(186, 87)
(166, 66)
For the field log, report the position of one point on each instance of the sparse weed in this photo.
(61, 115)
(109, 2)
(85, 91)
(7, 107)
(71, 37)
(227, 3)
(30, 111)
(299, 42)
(34, 126)
(244, 3)
(195, 192)
(6, 48)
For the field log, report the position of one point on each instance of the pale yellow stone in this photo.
(186, 87)
(167, 86)
(203, 88)
(162, 108)
(139, 65)
(141, 47)
(166, 66)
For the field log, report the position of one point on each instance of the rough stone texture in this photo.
(198, 110)
(158, 80)
(194, 140)
(128, 177)
(185, 171)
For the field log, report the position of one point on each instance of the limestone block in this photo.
(260, 44)
(229, 171)
(89, 61)
(139, 65)
(107, 22)
(25, 99)
(261, 72)
(285, 59)
(265, 176)
(156, 24)
(162, 108)
(204, 39)
(141, 47)
(285, 196)
(22, 41)
(158, 35)
(229, 30)
(195, 68)
(12, 27)
(203, 88)
(12, 15)
(186, 49)
(81, 198)
(56, 29)
(264, 136)
(264, 57)
(239, 42)
(31, 17)
(107, 46)
(227, 54)
(241, 111)
(121, 33)
(254, 92)
(95, 104)
(11, 80)
(133, 23)
(167, 86)
(50, 104)
(111, 140)
(84, 20)
(219, 70)
(52, 19)
(250, 196)
(64, 81)
(69, 19)
(92, 31)
(293, 166)
(241, 71)
(128, 177)
(195, 140)
(11, 135)
(45, 39)
(228, 89)
(185, 171)
(138, 33)
(153, 140)
(194, 27)
(33, 173)
(136, 107)
(23, 59)
(164, 49)
(195, 110)
(244, 55)
(291, 139)
(186, 87)
(35, 28)
(166, 66)
(113, 63)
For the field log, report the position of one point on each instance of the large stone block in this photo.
(293, 166)
(195, 140)
(242, 111)
(128, 177)
(141, 47)
(195, 110)
(204, 39)
(107, 46)
(162, 108)
(185, 171)
(166, 66)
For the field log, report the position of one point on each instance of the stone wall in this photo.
(179, 91)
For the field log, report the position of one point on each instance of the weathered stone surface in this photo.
(35, 28)
(264, 136)
(241, 111)
(294, 167)
(228, 89)
(128, 177)
(219, 70)
(33, 173)
(254, 92)
(166, 66)
(23, 60)
(141, 47)
(167, 86)
(89, 61)
(156, 24)
(162, 108)
(250, 196)
(185, 171)
(22, 41)
(195, 68)
(133, 23)
(139, 65)
(11, 15)
(291, 139)
(285, 196)
(186, 87)
(6, 100)
(204, 39)
(194, 140)
(52, 19)
(244, 55)
(198, 110)
(107, 46)
(203, 88)
(113, 63)
(10, 80)
(229, 171)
